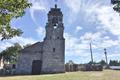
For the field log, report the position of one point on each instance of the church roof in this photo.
(33, 48)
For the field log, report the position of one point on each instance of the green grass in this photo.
(104, 75)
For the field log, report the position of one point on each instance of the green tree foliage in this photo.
(114, 63)
(91, 63)
(103, 63)
(116, 4)
(10, 9)
(11, 53)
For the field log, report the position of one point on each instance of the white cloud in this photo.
(107, 43)
(87, 7)
(99, 40)
(4, 45)
(21, 40)
(91, 36)
(78, 28)
(105, 16)
(113, 56)
(73, 5)
(109, 19)
(38, 5)
(74, 46)
(74, 9)
(41, 32)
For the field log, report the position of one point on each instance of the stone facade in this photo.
(46, 56)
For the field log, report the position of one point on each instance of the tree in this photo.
(11, 53)
(102, 62)
(114, 63)
(116, 4)
(10, 9)
(91, 63)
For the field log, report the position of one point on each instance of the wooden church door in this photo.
(36, 67)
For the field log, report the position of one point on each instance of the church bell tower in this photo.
(54, 27)
(54, 43)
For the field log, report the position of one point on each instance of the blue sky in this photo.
(84, 21)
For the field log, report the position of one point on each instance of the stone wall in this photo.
(53, 61)
(26, 57)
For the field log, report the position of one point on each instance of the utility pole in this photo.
(91, 52)
(105, 52)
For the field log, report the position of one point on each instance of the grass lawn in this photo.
(105, 75)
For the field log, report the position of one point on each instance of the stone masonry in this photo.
(46, 56)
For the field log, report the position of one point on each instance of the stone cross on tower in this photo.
(56, 3)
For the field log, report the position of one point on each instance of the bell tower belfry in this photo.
(54, 43)
(54, 27)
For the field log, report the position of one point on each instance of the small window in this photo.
(50, 37)
(53, 49)
(13, 66)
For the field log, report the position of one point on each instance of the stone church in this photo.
(47, 56)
